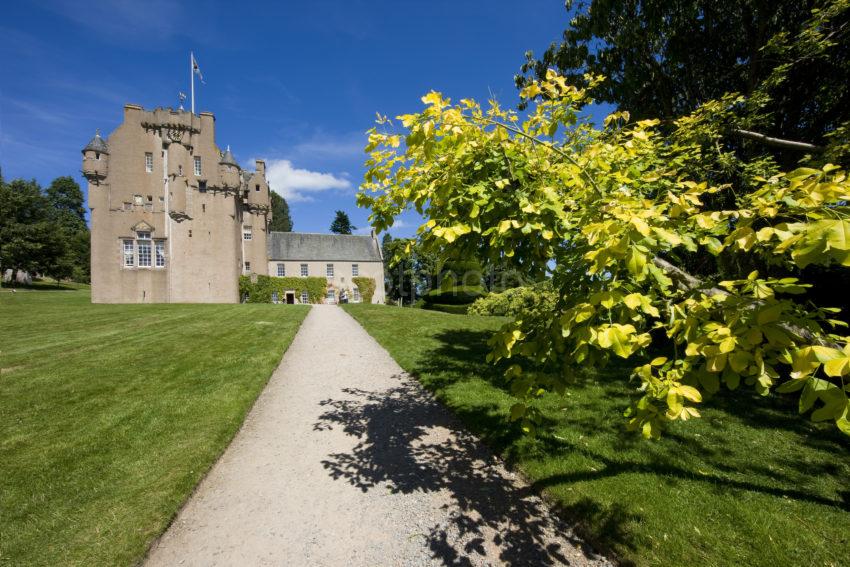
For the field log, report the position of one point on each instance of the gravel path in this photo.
(346, 461)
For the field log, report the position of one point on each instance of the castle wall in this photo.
(198, 223)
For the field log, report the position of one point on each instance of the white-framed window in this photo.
(159, 253)
(197, 165)
(355, 270)
(144, 247)
(329, 270)
(129, 253)
(331, 297)
(247, 267)
(305, 297)
(281, 270)
(274, 297)
(138, 200)
(247, 233)
(304, 270)
(148, 162)
(355, 295)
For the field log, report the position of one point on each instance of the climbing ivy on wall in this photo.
(366, 286)
(261, 291)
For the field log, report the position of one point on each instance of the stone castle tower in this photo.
(173, 218)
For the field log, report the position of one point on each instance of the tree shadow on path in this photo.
(411, 443)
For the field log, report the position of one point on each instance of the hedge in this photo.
(366, 287)
(261, 291)
(460, 295)
(445, 308)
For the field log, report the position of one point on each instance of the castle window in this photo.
(144, 247)
(355, 270)
(197, 165)
(160, 253)
(97, 156)
(148, 162)
(129, 253)
(256, 187)
(281, 270)
(190, 233)
(137, 200)
(329, 270)
(247, 267)
(274, 297)
(304, 270)
(128, 206)
(180, 170)
(305, 298)
(203, 208)
(202, 186)
(355, 294)
(247, 234)
(331, 298)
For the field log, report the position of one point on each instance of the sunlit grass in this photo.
(111, 414)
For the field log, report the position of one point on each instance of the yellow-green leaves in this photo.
(606, 212)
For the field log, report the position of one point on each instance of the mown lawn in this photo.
(749, 484)
(111, 414)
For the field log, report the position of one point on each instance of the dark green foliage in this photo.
(408, 273)
(342, 224)
(744, 485)
(44, 232)
(281, 219)
(366, 287)
(664, 58)
(29, 238)
(66, 199)
(460, 283)
(454, 295)
(261, 291)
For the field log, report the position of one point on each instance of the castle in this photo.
(175, 220)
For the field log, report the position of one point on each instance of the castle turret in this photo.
(229, 170)
(95, 159)
(258, 191)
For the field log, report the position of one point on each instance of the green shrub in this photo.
(446, 308)
(461, 295)
(366, 287)
(512, 302)
(261, 291)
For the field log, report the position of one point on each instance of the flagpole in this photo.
(192, 78)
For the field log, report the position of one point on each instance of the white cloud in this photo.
(296, 184)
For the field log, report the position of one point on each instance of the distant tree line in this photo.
(44, 231)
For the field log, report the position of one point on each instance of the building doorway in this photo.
(290, 298)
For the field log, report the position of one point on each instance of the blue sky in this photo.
(296, 83)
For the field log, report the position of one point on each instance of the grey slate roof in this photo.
(97, 145)
(227, 158)
(322, 247)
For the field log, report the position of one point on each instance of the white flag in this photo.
(196, 69)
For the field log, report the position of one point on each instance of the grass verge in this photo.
(748, 484)
(111, 414)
